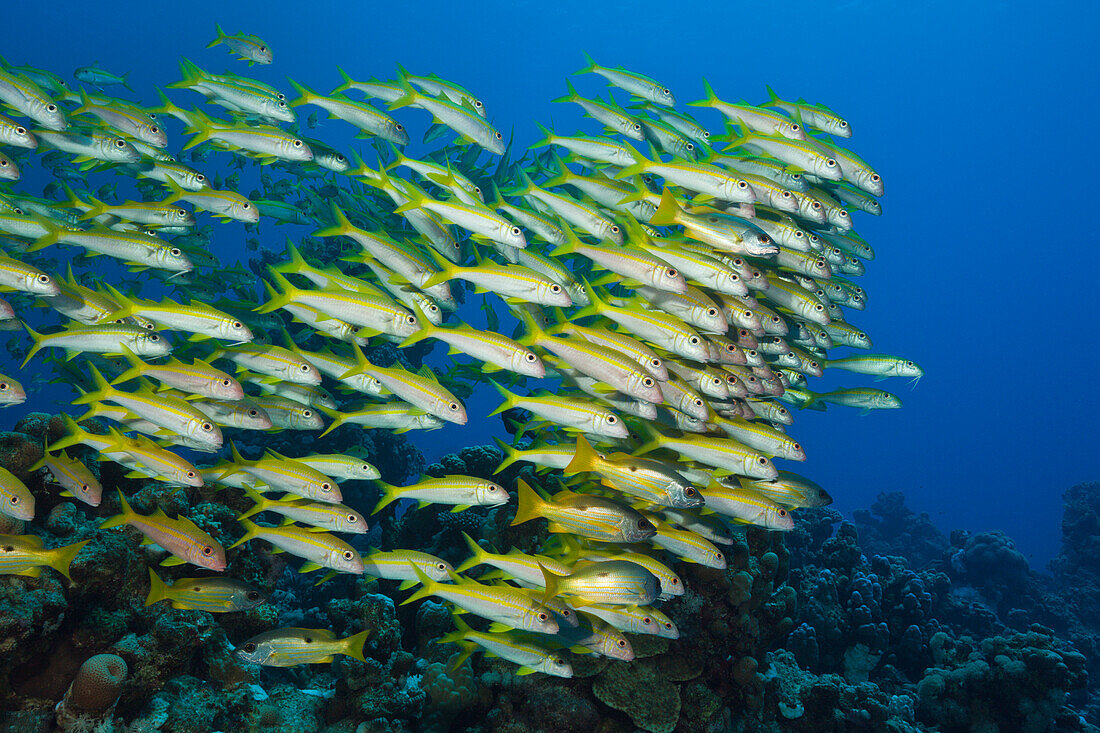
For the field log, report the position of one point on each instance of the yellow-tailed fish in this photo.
(526, 653)
(73, 476)
(25, 555)
(722, 453)
(790, 489)
(285, 474)
(588, 516)
(180, 537)
(420, 389)
(213, 595)
(318, 549)
(614, 582)
(746, 506)
(399, 564)
(645, 478)
(688, 545)
(247, 47)
(568, 412)
(400, 417)
(461, 492)
(525, 569)
(506, 607)
(323, 516)
(290, 647)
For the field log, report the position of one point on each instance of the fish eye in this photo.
(453, 407)
(190, 474)
(305, 367)
(674, 581)
(530, 357)
(43, 278)
(154, 337)
(611, 419)
(51, 107)
(830, 163)
(175, 252)
(762, 460)
(246, 205)
(815, 205)
(238, 324)
(85, 488)
(249, 647)
(410, 319)
(516, 231)
(742, 184)
(655, 363)
(819, 307)
(206, 427)
(297, 143)
(543, 617)
(399, 127)
(622, 642)
(307, 413)
(207, 550)
(20, 131)
(154, 129)
(876, 177)
(782, 512)
(3, 385)
(697, 402)
(555, 288)
(14, 500)
(689, 147)
(498, 136)
(340, 158)
(200, 177)
(689, 491)
(252, 595)
(693, 340)
(672, 273)
(647, 382)
(326, 486)
(120, 143)
(263, 48)
(3, 163)
(251, 413)
(348, 555)
(477, 190)
(712, 312)
(643, 523)
(353, 518)
(441, 566)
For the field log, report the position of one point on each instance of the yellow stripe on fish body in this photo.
(648, 479)
(197, 378)
(180, 536)
(688, 546)
(332, 517)
(632, 347)
(271, 360)
(421, 390)
(244, 413)
(761, 437)
(400, 417)
(525, 569)
(363, 116)
(290, 647)
(747, 506)
(589, 516)
(497, 351)
(606, 151)
(631, 619)
(508, 282)
(661, 329)
(213, 595)
(616, 582)
(458, 491)
(728, 455)
(790, 489)
(545, 456)
(568, 412)
(398, 565)
(475, 218)
(340, 466)
(318, 549)
(636, 265)
(197, 318)
(509, 646)
(507, 606)
(76, 478)
(370, 312)
(25, 555)
(286, 474)
(170, 413)
(574, 212)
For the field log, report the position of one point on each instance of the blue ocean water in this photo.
(977, 114)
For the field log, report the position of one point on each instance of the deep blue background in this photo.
(980, 118)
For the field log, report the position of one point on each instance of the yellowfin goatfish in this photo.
(638, 85)
(528, 655)
(615, 582)
(181, 537)
(461, 492)
(15, 499)
(318, 549)
(247, 47)
(72, 475)
(25, 555)
(291, 647)
(506, 607)
(323, 516)
(648, 479)
(584, 515)
(214, 595)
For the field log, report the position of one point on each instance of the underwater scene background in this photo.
(951, 583)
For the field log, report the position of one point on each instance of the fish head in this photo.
(494, 142)
(345, 560)
(255, 651)
(40, 283)
(404, 324)
(528, 363)
(224, 387)
(351, 521)
(779, 519)
(634, 527)
(149, 343)
(205, 431)
(557, 666)
(17, 502)
(540, 619)
(614, 645)
(683, 495)
(490, 494)
(231, 329)
(277, 109)
(207, 553)
(397, 134)
(437, 569)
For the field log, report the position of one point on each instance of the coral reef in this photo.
(880, 624)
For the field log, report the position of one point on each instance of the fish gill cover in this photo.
(657, 299)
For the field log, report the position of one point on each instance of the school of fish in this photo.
(675, 286)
